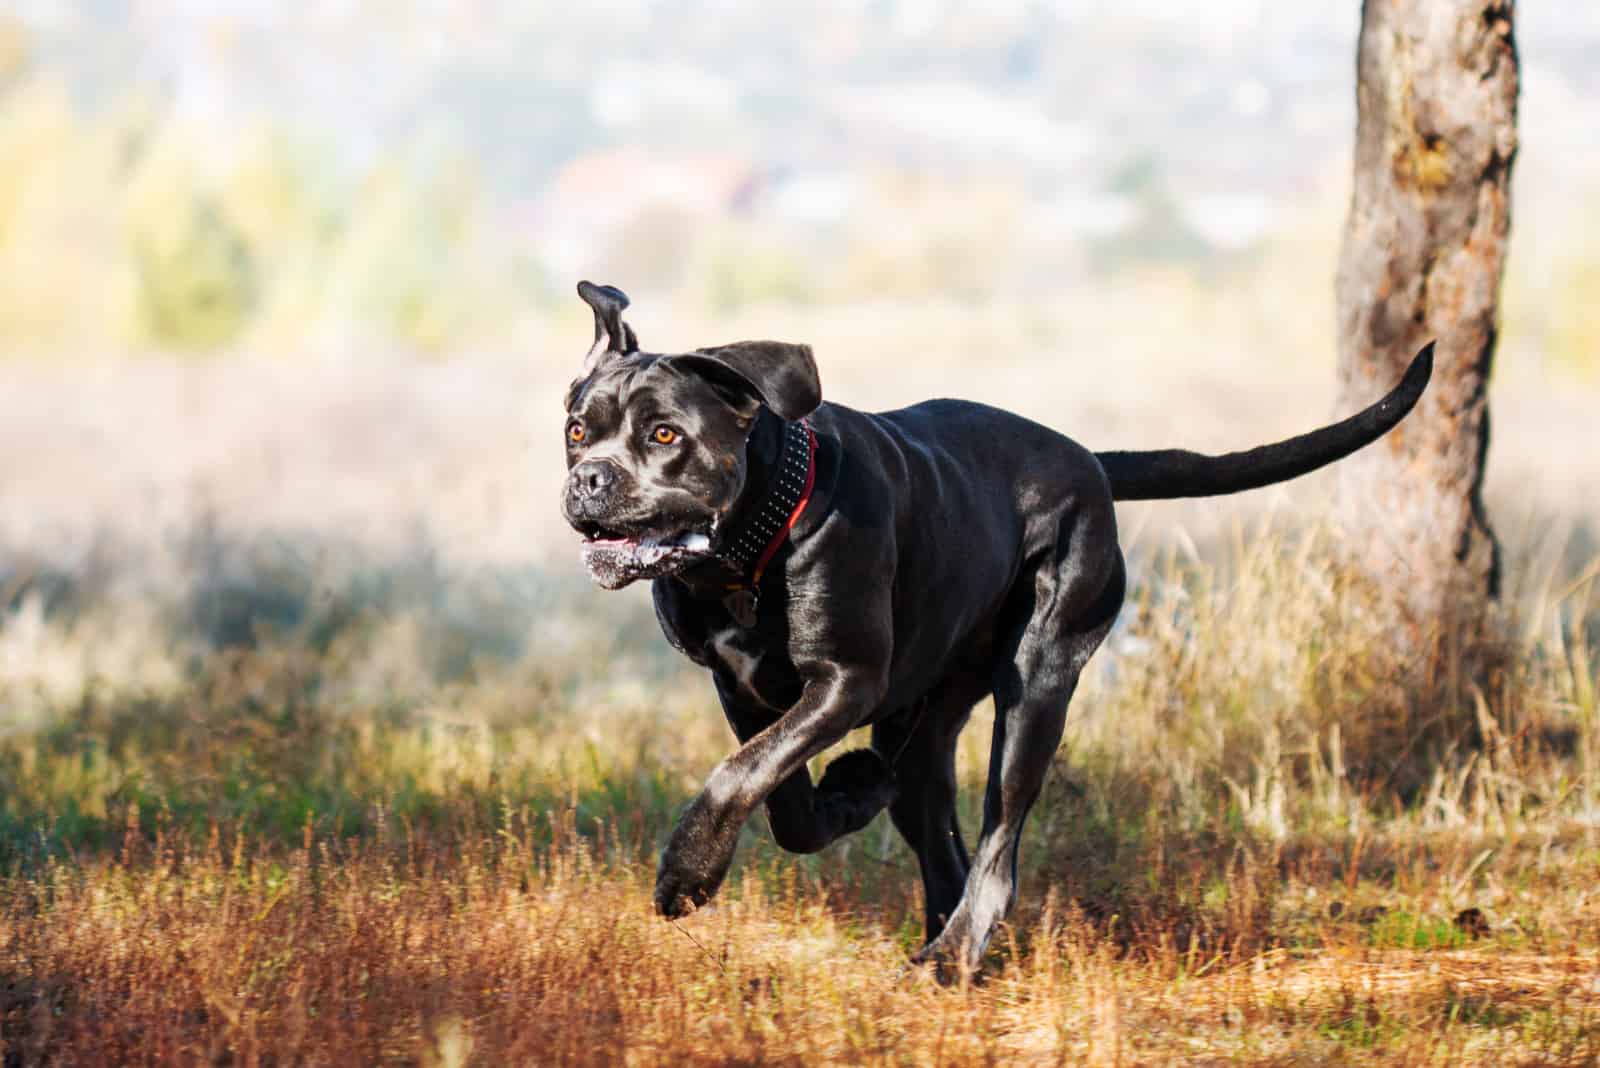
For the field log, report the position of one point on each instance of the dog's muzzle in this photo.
(616, 552)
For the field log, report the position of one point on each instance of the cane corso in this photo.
(836, 569)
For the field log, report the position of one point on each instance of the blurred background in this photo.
(315, 268)
(287, 310)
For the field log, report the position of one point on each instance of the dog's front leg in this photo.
(700, 850)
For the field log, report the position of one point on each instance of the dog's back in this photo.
(976, 495)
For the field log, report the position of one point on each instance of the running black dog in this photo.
(835, 568)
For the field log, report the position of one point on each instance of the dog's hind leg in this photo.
(1067, 613)
(920, 744)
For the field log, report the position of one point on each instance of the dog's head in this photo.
(656, 443)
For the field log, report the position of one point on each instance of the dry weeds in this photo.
(384, 812)
(496, 950)
(331, 775)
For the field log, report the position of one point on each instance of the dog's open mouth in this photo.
(615, 559)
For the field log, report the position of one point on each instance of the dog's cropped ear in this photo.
(612, 336)
(780, 375)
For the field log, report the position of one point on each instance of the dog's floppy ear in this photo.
(612, 336)
(780, 375)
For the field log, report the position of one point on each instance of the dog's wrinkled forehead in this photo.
(745, 374)
(610, 387)
(646, 387)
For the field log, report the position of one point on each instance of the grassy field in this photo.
(315, 747)
(315, 805)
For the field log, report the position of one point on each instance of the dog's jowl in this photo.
(836, 569)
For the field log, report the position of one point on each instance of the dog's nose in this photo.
(593, 478)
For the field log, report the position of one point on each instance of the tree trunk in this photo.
(1424, 247)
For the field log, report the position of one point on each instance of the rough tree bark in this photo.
(1424, 247)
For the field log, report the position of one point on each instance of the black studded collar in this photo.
(749, 549)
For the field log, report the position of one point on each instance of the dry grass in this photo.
(498, 948)
(334, 775)
(371, 809)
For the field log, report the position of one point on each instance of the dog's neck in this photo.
(777, 463)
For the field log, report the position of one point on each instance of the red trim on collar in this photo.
(799, 508)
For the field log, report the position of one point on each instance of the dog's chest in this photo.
(751, 663)
(738, 655)
(753, 667)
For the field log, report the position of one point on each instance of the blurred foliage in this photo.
(197, 280)
(130, 228)
(1575, 314)
(737, 275)
(14, 49)
(1552, 290)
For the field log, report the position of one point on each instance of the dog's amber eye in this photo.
(663, 435)
(575, 432)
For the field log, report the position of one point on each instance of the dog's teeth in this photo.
(695, 542)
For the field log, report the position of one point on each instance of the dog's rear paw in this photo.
(944, 964)
(855, 788)
(862, 775)
(935, 969)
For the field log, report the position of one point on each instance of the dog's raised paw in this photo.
(855, 788)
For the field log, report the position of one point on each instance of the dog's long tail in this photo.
(1162, 474)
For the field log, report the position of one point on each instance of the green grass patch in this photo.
(1401, 929)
